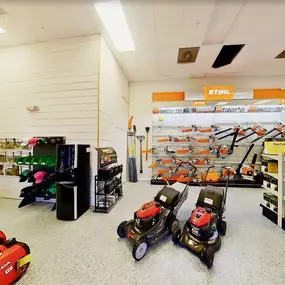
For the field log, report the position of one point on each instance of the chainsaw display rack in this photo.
(167, 123)
(270, 209)
(40, 150)
(108, 184)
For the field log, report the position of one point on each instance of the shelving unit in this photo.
(274, 175)
(275, 217)
(8, 156)
(171, 119)
(108, 182)
(32, 162)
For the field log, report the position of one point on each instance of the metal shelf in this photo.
(270, 156)
(270, 190)
(274, 175)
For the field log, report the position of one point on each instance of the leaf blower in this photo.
(15, 258)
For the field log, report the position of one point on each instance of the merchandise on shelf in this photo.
(108, 181)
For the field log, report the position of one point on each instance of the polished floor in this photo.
(88, 251)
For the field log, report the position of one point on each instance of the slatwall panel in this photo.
(114, 89)
(61, 78)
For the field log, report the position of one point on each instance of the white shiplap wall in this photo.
(114, 105)
(61, 77)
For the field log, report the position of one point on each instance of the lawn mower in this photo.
(202, 231)
(157, 218)
(15, 259)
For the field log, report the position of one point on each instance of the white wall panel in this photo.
(113, 106)
(61, 77)
(141, 101)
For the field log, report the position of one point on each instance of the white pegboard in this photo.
(171, 124)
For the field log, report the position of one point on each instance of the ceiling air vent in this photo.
(186, 55)
(281, 55)
(227, 54)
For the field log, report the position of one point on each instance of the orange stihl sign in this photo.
(218, 93)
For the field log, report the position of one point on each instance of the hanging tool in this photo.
(141, 139)
(135, 151)
(147, 132)
(243, 160)
(255, 128)
(222, 131)
(197, 161)
(223, 150)
(131, 152)
(279, 127)
(194, 128)
(241, 131)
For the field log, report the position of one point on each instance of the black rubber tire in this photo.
(209, 256)
(176, 236)
(223, 228)
(121, 231)
(172, 223)
(137, 254)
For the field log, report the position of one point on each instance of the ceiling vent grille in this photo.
(281, 55)
(187, 55)
(227, 54)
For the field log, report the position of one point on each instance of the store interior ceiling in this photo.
(159, 28)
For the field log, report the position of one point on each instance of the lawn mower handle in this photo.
(178, 166)
(227, 185)
(204, 180)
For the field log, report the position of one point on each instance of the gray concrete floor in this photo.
(88, 251)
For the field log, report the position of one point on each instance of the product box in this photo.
(266, 182)
(267, 196)
(272, 167)
(274, 200)
(274, 184)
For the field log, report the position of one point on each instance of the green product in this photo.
(274, 200)
(37, 160)
(267, 197)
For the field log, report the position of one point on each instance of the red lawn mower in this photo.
(202, 231)
(157, 218)
(15, 259)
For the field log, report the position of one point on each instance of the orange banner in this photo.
(269, 93)
(198, 103)
(168, 96)
(218, 93)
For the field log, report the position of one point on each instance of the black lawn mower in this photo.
(157, 218)
(202, 231)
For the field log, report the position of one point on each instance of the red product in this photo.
(14, 259)
(148, 210)
(200, 217)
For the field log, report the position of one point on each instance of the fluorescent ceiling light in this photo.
(262, 102)
(222, 103)
(113, 18)
(2, 31)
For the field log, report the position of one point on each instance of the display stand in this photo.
(273, 204)
(180, 132)
(108, 181)
(43, 157)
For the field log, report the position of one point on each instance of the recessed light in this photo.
(2, 31)
(113, 18)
